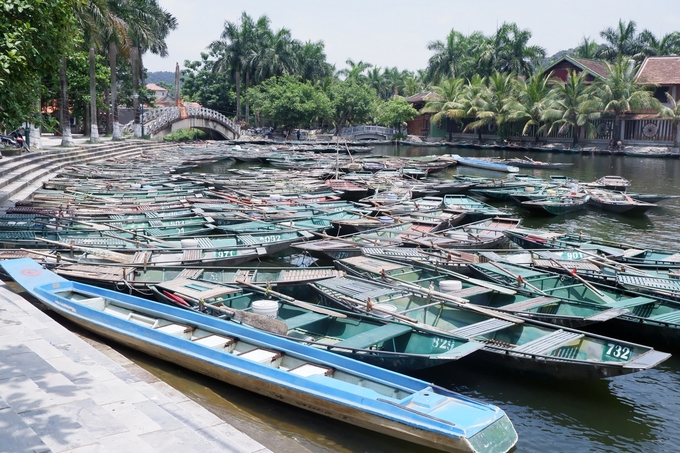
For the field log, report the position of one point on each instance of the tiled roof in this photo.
(154, 87)
(420, 97)
(597, 67)
(660, 71)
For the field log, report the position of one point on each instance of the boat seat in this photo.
(467, 292)
(671, 317)
(528, 304)
(304, 319)
(632, 302)
(632, 252)
(374, 336)
(481, 328)
(173, 329)
(214, 341)
(260, 355)
(548, 343)
(95, 302)
(311, 369)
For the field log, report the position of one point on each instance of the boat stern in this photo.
(499, 437)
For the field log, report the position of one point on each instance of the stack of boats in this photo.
(158, 262)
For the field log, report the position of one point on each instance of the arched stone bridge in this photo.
(160, 122)
(368, 132)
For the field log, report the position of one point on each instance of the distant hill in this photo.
(160, 76)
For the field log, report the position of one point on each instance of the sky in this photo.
(395, 33)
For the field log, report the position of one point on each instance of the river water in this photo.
(633, 413)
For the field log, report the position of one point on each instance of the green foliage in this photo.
(290, 102)
(185, 135)
(34, 34)
(211, 89)
(395, 112)
(351, 102)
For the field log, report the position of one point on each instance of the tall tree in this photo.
(531, 103)
(492, 103)
(621, 40)
(587, 49)
(355, 70)
(570, 110)
(445, 103)
(236, 41)
(669, 44)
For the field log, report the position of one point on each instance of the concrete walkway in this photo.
(60, 393)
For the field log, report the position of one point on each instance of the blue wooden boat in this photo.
(485, 164)
(307, 377)
(473, 209)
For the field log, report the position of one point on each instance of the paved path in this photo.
(59, 393)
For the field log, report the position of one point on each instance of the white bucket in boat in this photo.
(392, 196)
(268, 308)
(188, 243)
(520, 258)
(528, 189)
(386, 219)
(448, 286)
(383, 310)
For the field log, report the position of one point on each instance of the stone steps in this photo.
(21, 173)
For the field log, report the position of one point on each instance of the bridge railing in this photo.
(388, 132)
(156, 119)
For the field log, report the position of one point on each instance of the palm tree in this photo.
(669, 44)
(454, 57)
(232, 49)
(491, 104)
(147, 33)
(468, 100)
(620, 93)
(312, 63)
(375, 79)
(620, 41)
(672, 112)
(532, 101)
(355, 70)
(445, 103)
(94, 18)
(569, 109)
(587, 49)
(514, 54)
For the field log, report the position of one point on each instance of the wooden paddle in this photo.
(368, 309)
(603, 296)
(518, 277)
(464, 303)
(298, 303)
(134, 233)
(256, 320)
(102, 253)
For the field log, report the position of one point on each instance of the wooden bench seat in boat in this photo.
(632, 302)
(304, 319)
(261, 355)
(467, 292)
(371, 337)
(311, 369)
(548, 343)
(671, 317)
(481, 328)
(528, 304)
(214, 341)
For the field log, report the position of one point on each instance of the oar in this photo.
(463, 303)
(602, 295)
(594, 256)
(298, 303)
(365, 305)
(48, 255)
(519, 278)
(102, 253)
(260, 322)
(132, 241)
(134, 233)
